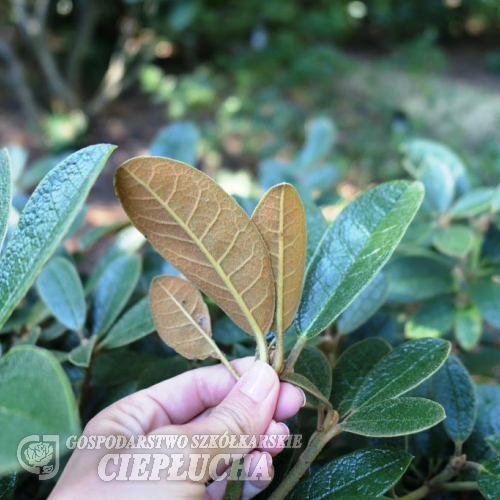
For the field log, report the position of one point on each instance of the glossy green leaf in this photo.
(488, 479)
(5, 193)
(432, 319)
(468, 327)
(494, 442)
(366, 304)
(364, 472)
(8, 486)
(313, 365)
(473, 203)
(178, 141)
(305, 384)
(352, 368)
(316, 227)
(81, 355)
(397, 417)
(36, 398)
(114, 290)
(135, 324)
(412, 279)
(61, 290)
(353, 250)
(46, 218)
(486, 296)
(454, 390)
(402, 370)
(455, 241)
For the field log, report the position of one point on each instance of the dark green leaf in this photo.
(431, 319)
(114, 290)
(364, 472)
(313, 365)
(352, 368)
(228, 333)
(305, 384)
(412, 279)
(366, 304)
(353, 250)
(396, 417)
(136, 323)
(468, 327)
(8, 486)
(316, 227)
(454, 390)
(402, 370)
(494, 442)
(486, 295)
(36, 398)
(46, 218)
(60, 288)
(488, 479)
(5, 193)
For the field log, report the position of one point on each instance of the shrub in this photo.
(355, 312)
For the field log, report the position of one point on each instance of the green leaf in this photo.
(366, 304)
(178, 141)
(226, 332)
(473, 203)
(468, 327)
(114, 290)
(36, 397)
(439, 185)
(81, 355)
(454, 390)
(316, 227)
(94, 234)
(46, 218)
(313, 365)
(353, 250)
(61, 290)
(5, 193)
(402, 370)
(319, 142)
(488, 479)
(397, 417)
(494, 442)
(8, 486)
(455, 241)
(305, 384)
(485, 294)
(136, 323)
(412, 279)
(364, 472)
(353, 366)
(431, 319)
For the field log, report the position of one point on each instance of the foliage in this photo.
(384, 290)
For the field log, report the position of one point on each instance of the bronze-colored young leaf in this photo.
(203, 232)
(281, 220)
(181, 317)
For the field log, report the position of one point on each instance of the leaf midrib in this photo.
(218, 268)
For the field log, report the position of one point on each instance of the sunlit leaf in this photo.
(280, 218)
(5, 193)
(468, 327)
(488, 479)
(204, 233)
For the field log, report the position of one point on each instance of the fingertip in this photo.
(291, 399)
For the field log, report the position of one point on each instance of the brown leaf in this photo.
(281, 220)
(203, 232)
(181, 317)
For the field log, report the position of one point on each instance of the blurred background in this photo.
(248, 90)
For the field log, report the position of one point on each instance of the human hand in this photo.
(206, 401)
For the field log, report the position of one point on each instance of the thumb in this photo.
(246, 411)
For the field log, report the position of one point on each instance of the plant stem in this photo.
(224, 360)
(295, 353)
(279, 356)
(460, 486)
(318, 441)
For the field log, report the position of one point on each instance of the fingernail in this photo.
(304, 396)
(269, 460)
(258, 382)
